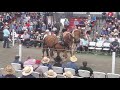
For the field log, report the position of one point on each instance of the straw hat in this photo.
(68, 74)
(47, 30)
(115, 30)
(9, 69)
(115, 34)
(45, 60)
(112, 33)
(27, 70)
(50, 74)
(37, 32)
(73, 59)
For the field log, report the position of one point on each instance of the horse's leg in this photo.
(51, 53)
(47, 52)
(43, 52)
(58, 53)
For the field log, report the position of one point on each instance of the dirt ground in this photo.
(100, 63)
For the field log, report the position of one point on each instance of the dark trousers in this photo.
(6, 41)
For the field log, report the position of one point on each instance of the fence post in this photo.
(113, 62)
(20, 51)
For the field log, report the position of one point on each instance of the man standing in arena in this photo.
(6, 35)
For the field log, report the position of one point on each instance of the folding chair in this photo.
(84, 73)
(60, 76)
(36, 74)
(58, 70)
(70, 69)
(1, 69)
(16, 66)
(44, 68)
(77, 77)
(112, 75)
(98, 46)
(99, 74)
(106, 47)
(18, 73)
(91, 45)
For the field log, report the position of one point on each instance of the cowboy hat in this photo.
(68, 74)
(9, 69)
(27, 70)
(112, 33)
(45, 60)
(73, 59)
(47, 30)
(115, 30)
(115, 34)
(50, 74)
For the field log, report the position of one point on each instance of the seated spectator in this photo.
(68, 74)
(84, 67)
(107, 40)
(104, 32)
(17, 61)
(26, 38)
(50, 74)
(58, 61)
(27, 72)
(72, 64)
(85, 44)
(9, 72)
(114, 45)
(30, 61)
(45, 62)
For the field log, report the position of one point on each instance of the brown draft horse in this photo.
(77, 34)
(49, 43)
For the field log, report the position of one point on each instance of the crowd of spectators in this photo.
(32, 65)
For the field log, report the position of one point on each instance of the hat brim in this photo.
(6, 72)
(26, 74)
(65, 75)
(54, 76)
(73, 59)
(45, 61)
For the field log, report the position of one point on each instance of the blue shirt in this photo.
(76, 23)
(72, 65)
(66, 22)
(6, 33)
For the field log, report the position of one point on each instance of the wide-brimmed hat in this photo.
(9, 70)
(47, 30)
(112, 33)
(73, 59)
(115, 34)
(68, 74)
(50, 74)
(27, 70)
(45, 60)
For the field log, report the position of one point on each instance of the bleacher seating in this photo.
(70, 69)
(84, 73)
(16, 66)
(99, 74)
